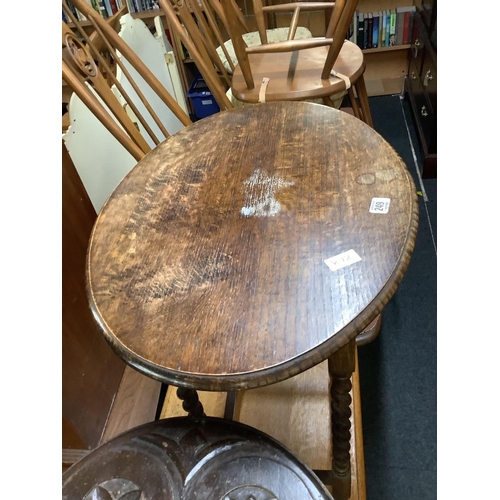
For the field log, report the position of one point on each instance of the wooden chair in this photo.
(114, 22)
(200, 26)
(225, 49)
(298, 69)
(197, 26)
(128, 114)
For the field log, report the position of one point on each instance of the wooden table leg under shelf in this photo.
(296, 412)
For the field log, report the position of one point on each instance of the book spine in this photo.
(109, 10)
(114, 6)
(361, 30)
(412, 16)
(95, 5)
(406, 28)
(370, 31)
(365, 24)
(355, 29)
(380, 14)
(102, 8)
(73, 10)
(384, 26)
(388, 28)
(392, 29)
(400, 21)
(375, 35)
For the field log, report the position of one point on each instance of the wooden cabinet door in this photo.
(91, 371)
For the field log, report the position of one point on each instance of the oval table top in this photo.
(251, 245)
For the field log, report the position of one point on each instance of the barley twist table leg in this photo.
(190, 402)
(341, 366)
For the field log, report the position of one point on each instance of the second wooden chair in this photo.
(299, 69)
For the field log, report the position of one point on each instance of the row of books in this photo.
(104, 7)
(371, 30)
(140, 5)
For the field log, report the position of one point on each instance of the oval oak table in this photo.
(189, 458)
(251, 246)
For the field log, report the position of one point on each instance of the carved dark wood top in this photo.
(206, 267)
(184, 458)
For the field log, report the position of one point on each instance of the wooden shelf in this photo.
(81, 23)
(147, 14)
(387, 49)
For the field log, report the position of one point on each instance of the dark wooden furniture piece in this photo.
(188, 458)
(251, 246)
(101, 395)
(91, 372)
(421, 85)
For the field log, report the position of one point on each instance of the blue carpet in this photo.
(398, 370)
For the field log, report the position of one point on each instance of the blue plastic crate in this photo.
(203, 101)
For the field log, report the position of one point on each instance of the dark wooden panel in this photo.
(91, 372)
(421, 90)
(183, 458)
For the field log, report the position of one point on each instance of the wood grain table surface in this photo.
(206, 266)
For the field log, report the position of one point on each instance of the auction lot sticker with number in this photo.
(380, 205)
(342, 260)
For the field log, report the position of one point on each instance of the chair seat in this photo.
(337, 100)
(253, 39)
(297, 75)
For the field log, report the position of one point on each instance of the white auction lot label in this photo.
(380, 205)
(342, 260)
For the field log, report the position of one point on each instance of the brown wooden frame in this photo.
(338, 24)
(83, 65)
(200, 40)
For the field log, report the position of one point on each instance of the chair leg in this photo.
(363, 101)
(327, 101)
(354, 103)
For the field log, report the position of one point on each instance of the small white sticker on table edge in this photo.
(342, 260)
(380, 205)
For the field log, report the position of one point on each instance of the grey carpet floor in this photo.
(398, 370)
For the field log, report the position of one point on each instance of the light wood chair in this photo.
(197, 26)
(114, 22)
(133, 121)
(298, 69)
(225, 49)
(200, 26)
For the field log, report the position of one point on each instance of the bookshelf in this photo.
(386, 67)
